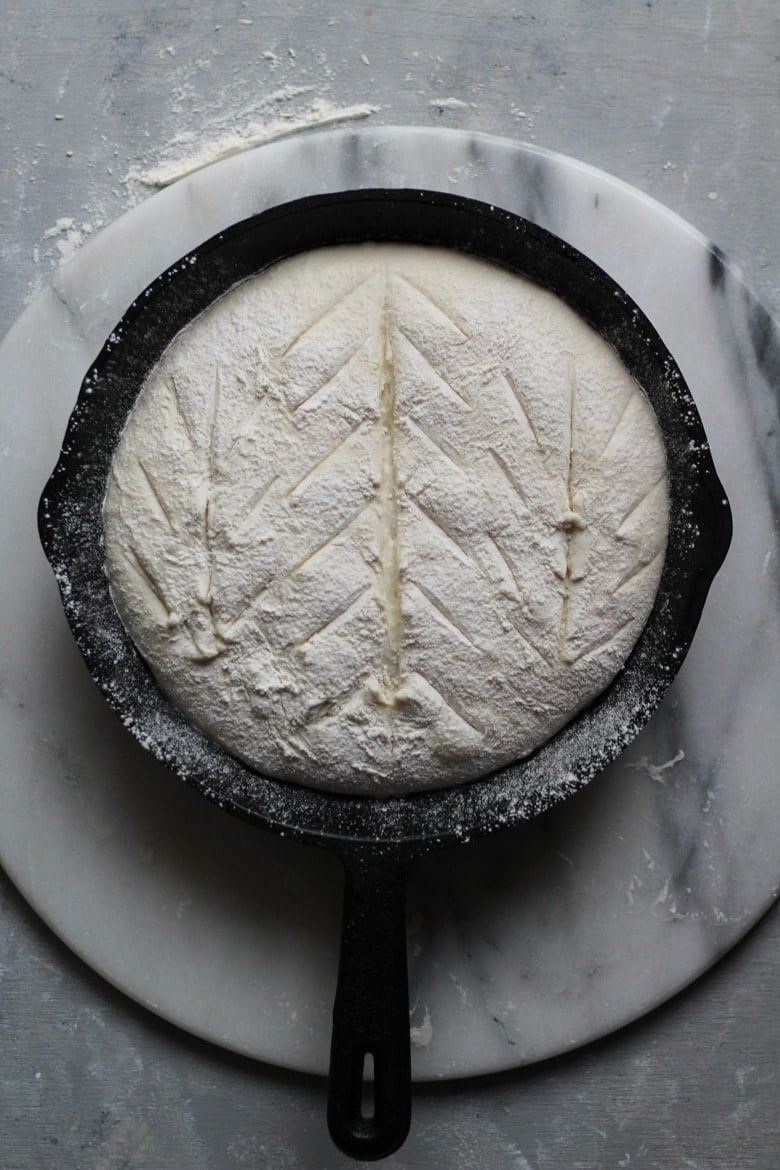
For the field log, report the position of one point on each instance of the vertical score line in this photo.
(388, 498)
(563, 631)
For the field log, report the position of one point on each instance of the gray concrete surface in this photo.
(680, 99)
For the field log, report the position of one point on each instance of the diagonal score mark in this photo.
(249, 422)
(636, 507)
(444, 615)
(329, 708)
(256, 502)
(361, 426)
(321, 391)
(154, 495)
(461, 554)
(633, 573)
(630, 397)
(505, 565)
(432, 443)
(446, 318)
(337, 619)
(602, 644)
(333, 536)
(524, 638)
(508, 476)
(343, 299)
(231, 624)
(150, 583)
(451, 704)
(441, 384)
(519, 406)
(175, 395)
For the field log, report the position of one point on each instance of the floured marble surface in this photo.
(524, 945)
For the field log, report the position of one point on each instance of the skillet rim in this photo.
(70, 522)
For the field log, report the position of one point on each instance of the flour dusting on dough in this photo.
(386, 517)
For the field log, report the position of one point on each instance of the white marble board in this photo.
(521, 946)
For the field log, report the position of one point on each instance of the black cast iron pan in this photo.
(377, 839)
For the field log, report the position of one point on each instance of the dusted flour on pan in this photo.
(386, 517)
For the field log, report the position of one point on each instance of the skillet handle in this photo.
(371, 1011)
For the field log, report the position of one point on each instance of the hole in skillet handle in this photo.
(378, 838)
(367, 1102)
(371, 1008)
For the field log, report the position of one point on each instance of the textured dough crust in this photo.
(385, 517)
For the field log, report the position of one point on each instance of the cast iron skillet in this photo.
(377, 839)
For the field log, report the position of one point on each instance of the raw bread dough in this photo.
(385, 517)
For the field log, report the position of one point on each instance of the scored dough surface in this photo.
(385, 517)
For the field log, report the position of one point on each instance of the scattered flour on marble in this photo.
(519, 1160)
(67, 235)
(656, 771)
(255, 133)
(235, 123)
(662, 897)
(450, 103)
(422, 1034)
